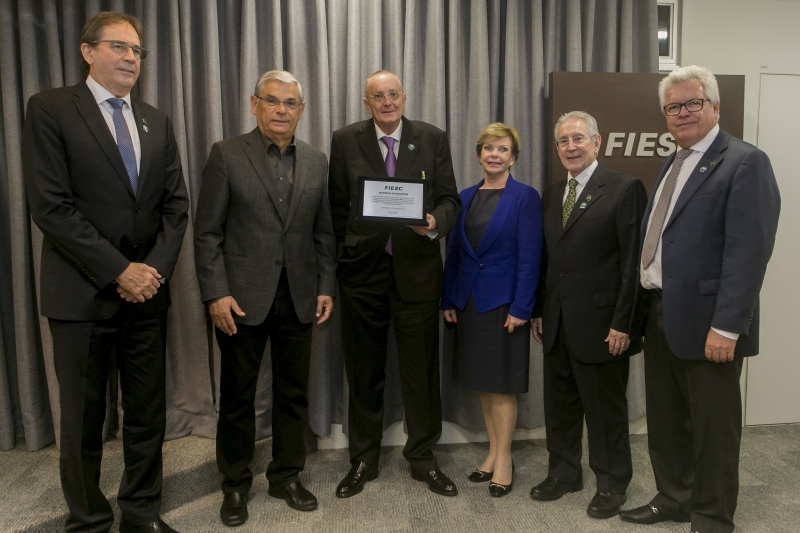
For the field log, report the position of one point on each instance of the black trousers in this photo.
(239, 364)
(573, 389)
(366, 312)
(82, 353)
(694, 429)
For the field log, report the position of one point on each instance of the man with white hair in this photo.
(264, 255)
(707, 235)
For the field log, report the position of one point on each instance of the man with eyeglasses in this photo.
(707, 235)
(391, 272)
(582, 317)
(105, 186)
(264, 256)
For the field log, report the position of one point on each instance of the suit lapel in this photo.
(254, 149)
(144, 141)
(91, 114)
(372, 152)
(298, 186)
(708, 163)
(499, 216)
(409, 147)
(589, 196)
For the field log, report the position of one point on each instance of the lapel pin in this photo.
(423, 174)
(702, 170)
(588, 198)
(145, 128)
(583, 205)
(412, 147)
(713, 163)
(144, 125)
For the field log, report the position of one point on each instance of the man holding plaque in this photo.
(390, 271)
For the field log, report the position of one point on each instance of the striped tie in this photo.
(124, 143)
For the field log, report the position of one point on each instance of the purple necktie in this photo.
(391, 166)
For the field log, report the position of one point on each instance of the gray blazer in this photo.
(241, 235)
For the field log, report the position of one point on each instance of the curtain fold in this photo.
(463, 64)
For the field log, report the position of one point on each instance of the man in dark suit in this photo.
(391, 272)
(583, 317)
(707, 235)
(264, 254)
(105, 186)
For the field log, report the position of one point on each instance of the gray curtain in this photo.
(463, 63)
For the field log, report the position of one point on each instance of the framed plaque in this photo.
(395, 200)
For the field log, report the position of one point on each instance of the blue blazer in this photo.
(716, 245)
(505, 268)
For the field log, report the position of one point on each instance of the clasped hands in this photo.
(138, 283)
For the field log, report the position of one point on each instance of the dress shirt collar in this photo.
(583, 177)
(268, 143)
(705, 143)
(394, 135)
(101, 94)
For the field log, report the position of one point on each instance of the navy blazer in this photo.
(505, 267)
(715, 247)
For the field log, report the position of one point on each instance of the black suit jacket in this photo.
(417, 259)
(80, 196)
(589, 267)
(715, 247)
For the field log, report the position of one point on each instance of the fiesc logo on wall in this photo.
(638, 144)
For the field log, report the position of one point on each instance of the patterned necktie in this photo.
(660, 212)
(124, 143)
(569, 203)
(391, 166)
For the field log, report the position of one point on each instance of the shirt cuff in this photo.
(433, 234)
(728, 334)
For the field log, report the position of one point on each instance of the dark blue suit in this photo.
(715, 248)
(505, 267)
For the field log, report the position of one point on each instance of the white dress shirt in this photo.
(652, 276)
(101, 94)
(394, 135)
(583, 179)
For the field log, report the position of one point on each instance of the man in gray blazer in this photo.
(707, 235)
(264, 254)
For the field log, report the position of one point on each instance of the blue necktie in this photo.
(125, 143)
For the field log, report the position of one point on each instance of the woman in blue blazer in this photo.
(490, 278)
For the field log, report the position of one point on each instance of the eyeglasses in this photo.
(378, 98)
(290, 105)
(692, 106)
(121, 48)
(577, 141)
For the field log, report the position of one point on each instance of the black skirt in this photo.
(489, 359)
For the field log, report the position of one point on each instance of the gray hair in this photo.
(282, 76)
(587, 119)
(688, 74)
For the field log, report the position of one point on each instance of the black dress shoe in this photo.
(605, 505)
(552, 489)
(154, 527)
(296, 495)
(498, 490)
(650, 514)
(437, 481)
(354, 481)
(479, 476)
(234, 509)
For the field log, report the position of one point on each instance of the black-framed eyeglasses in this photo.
(121, 48)
(692, 106)
(290, 104)
(379, 97)
(577, 140)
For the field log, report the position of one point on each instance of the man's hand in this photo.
(138, 283)
(450, 315)
(536, 330)
(617, 341)
(513, 322)
(424, 230)
(324, 308)
(719, 348)
(220, 312)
